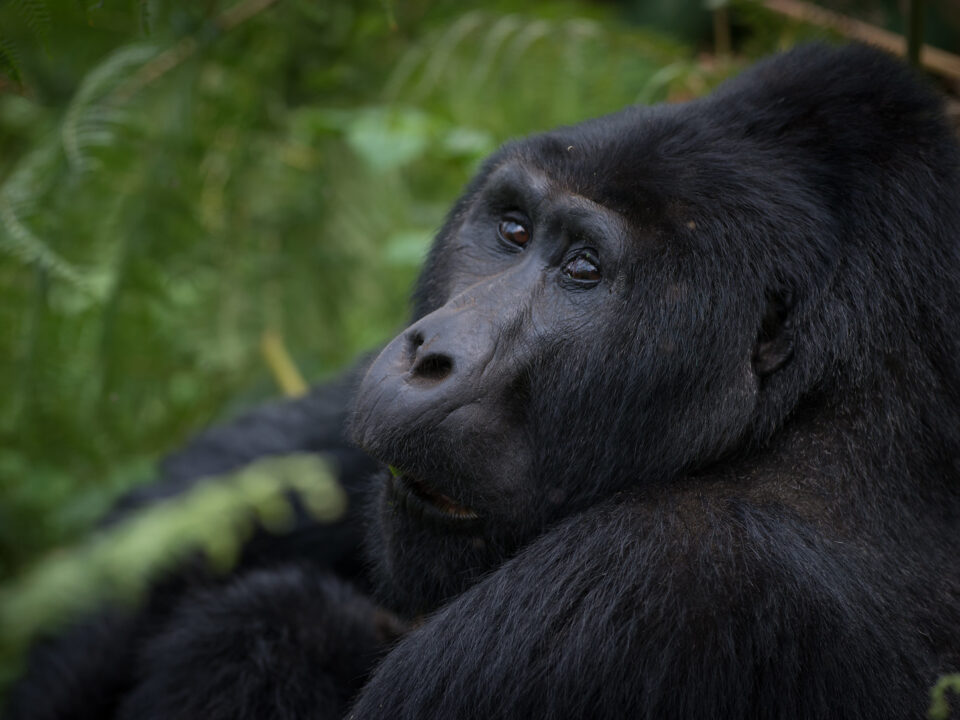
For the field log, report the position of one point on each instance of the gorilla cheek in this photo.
(488, 459)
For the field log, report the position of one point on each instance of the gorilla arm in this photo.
(83, 671)
(687, 608)
(312, 424)
(290, 643)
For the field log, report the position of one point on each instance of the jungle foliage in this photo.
(193, 193)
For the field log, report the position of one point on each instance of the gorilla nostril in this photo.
(433, 367)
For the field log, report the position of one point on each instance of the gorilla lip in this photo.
(417, 499)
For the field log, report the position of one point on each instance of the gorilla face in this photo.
(530, 274)
(568, 347)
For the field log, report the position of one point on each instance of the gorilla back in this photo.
(675, 433)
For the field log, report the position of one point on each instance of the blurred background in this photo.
(209, 204)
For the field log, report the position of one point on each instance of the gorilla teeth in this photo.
(439, 500)
(412, 497)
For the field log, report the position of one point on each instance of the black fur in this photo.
(315, 423)
(273, 643)
(86, 672)
(723, 480)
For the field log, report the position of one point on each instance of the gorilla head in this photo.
(625, 302)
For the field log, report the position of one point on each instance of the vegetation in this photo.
(176, 185)
(193, 194)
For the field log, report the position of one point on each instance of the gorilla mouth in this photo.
(412, 496)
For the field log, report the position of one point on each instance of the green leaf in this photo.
(390, 137)
(408, 247)
(213, 517)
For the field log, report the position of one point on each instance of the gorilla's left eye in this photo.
(513, 232)
(583, 268)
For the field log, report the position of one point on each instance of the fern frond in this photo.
(18, 240)
(32, 177)
(18, 196)
(532, 32)
(10, 60)
(87, 122)
(36, 14)
(439, 60)
(492, 47)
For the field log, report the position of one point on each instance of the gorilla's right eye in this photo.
(583, 268)
(513, 232)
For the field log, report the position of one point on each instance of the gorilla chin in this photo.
(434, 531)
(424, 549)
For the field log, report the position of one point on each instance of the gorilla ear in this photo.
(775, 341)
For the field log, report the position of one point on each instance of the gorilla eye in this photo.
(583, 268)
(513, 232)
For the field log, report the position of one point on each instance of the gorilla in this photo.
(674, 433)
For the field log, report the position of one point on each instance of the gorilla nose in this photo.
(427, 365)
(441, 365)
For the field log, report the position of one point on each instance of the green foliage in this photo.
(179, 181)
(116, 564)
(939, 706)
(36, 16)
(167, 198)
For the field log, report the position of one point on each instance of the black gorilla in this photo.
(675, 434)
